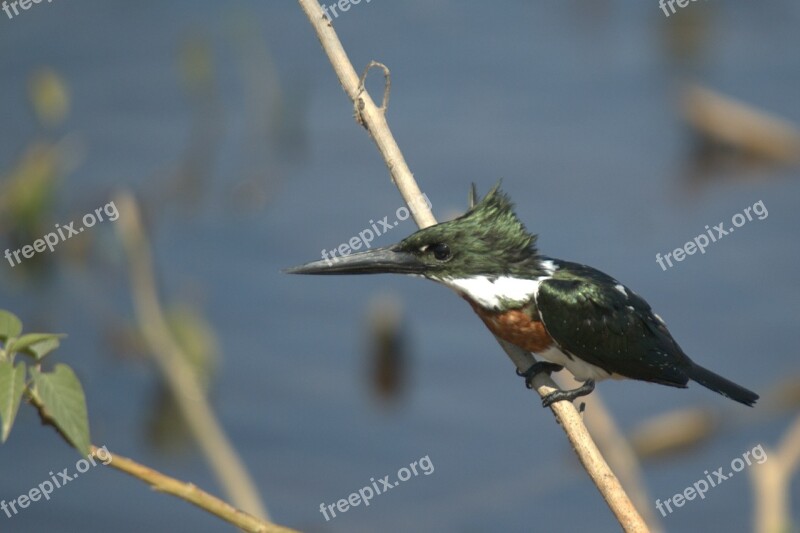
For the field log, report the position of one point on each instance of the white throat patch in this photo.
(492, 293)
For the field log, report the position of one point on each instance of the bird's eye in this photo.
(441, 251)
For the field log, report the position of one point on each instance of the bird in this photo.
(570, 315)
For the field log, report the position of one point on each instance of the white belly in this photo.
(577, 367)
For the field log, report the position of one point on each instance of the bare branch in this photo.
(374, 120)
(194, 495)
(168, 485)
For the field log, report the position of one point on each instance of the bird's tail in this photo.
(718, 384)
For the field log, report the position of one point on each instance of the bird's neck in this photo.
(503, 292)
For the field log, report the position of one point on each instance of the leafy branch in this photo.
(58, 397)
(58, 392)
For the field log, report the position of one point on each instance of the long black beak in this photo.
(378, 261)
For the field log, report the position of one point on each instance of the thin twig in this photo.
(181, 378)
(168, 485)
(194, 495)
(374, 120)
(371, 115)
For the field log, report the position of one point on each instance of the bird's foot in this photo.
(569, 395)
(537, 368)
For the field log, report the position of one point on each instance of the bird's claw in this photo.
(537, 368)
(569, 395)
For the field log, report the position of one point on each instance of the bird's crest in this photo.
(488, 239)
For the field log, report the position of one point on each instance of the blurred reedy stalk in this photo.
(179, 374)
(772, 483)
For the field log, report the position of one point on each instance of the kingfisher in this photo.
(571, 315)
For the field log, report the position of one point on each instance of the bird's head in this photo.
(488, 240)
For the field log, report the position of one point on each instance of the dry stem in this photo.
(194, 495)
(168, 485)
(374, 120)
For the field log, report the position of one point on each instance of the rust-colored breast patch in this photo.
(516, 327)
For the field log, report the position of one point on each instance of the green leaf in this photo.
(36, 344)
(12, 383)
(64, 401)
(10, 326)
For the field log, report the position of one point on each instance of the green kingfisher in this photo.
(571, 315)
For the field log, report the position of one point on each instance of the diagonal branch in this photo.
(373, 119)
(194, 495)
(181, 489)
